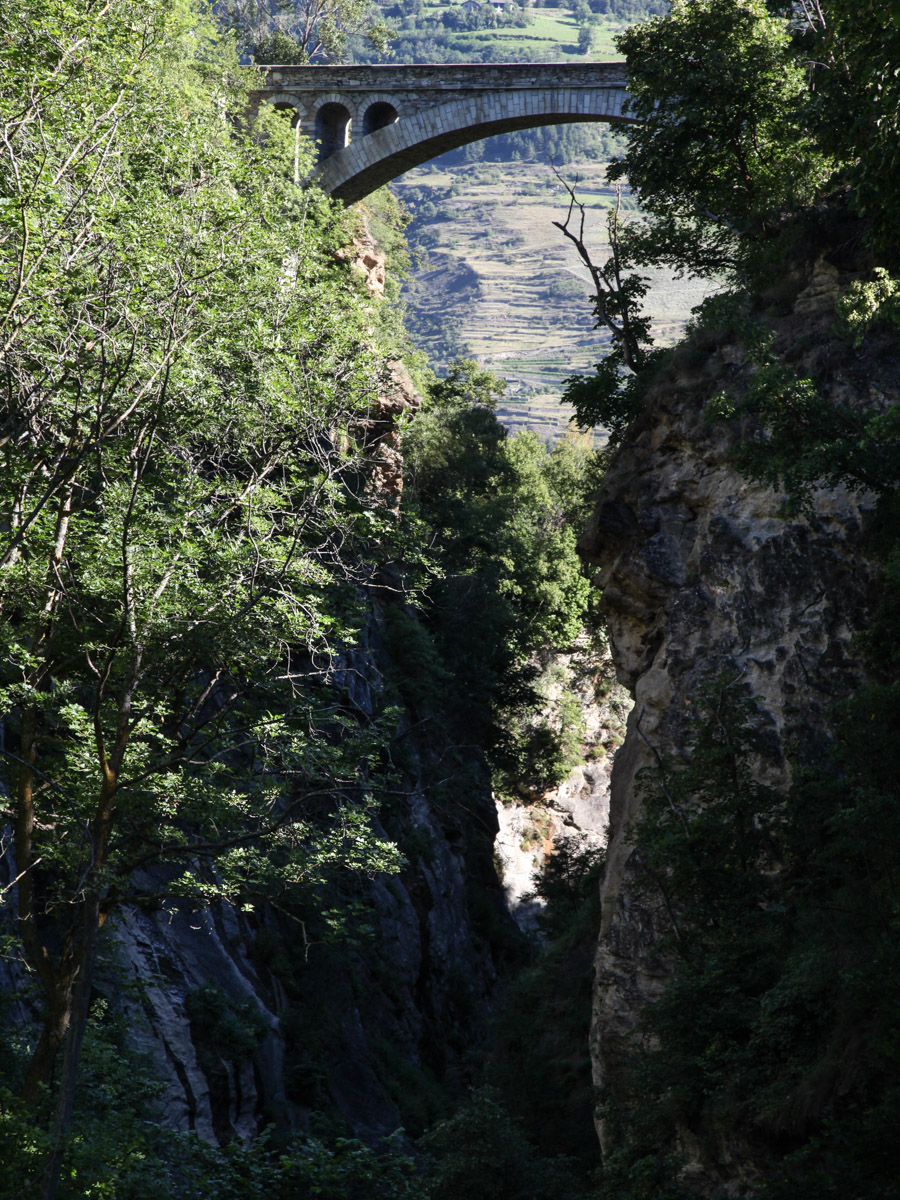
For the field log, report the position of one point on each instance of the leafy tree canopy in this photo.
(761, 127)
(724, 147)
(503, 511)
(304, 31)
(185, 366)
(751, 112)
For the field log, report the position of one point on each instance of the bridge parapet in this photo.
(418, 76)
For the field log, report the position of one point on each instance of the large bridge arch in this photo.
(395, 118)
(370, 161)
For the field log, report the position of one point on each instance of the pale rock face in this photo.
(165, 956)
(519, 850)
(396, 393)
(576, 812)
(699, 573)
(366, 259)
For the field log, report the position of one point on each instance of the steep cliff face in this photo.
(699, 574)
(249, 1019)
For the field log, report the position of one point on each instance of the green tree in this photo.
(482, 1152)
(613, 395)
(724, 147)
(503, 515)
(758, 125)
(305, 31)
(856, 105)
(183, 360)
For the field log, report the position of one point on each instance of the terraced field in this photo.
(499, 282)
(549, 33)
(552, 33)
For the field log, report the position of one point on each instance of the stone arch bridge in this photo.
(372, 123)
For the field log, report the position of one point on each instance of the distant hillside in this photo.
(437, 31)
(498, 281)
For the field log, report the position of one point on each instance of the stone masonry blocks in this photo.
(439, 108)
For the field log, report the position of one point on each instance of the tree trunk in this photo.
(56, 1023)
(72, 1055)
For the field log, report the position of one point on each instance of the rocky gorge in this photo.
(701, 571)
(254, 1019)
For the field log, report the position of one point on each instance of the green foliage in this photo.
(535, 756)
(482, 1154)
(555, 144)
(386, 222)
(756, 118)
(778, 1029)
(119, 1150)
(569, 881)
(501, 510)
(776, 1038)
(421, 676)
(611, 398)
(539, 747)
(614, 396)
(304, 31)
(722, 148)
(116, 1148)
(705, 849)
(868, 302)
(344, 1169)
(856, 108)
(804, 437)
(185, 364)
(233, 1030)
(455, 431)
(420, 1099)
(539, 1057)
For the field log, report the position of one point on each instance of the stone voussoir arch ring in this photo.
(333, 116)
(384, 101)
(286, 100)
(340, 98)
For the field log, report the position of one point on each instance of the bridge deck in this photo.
(441, 76)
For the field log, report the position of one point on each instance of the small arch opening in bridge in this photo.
(332, 129)
(290, 112)
(378, 116)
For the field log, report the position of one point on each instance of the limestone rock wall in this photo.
(577, 811)
(699, 573)
(365, 1031)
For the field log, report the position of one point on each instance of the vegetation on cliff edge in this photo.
(769, 1057)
